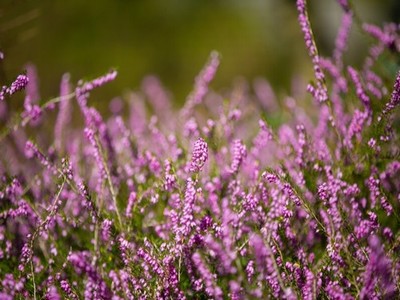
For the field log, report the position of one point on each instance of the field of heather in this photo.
(238, 193)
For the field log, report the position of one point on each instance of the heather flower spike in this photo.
(199, 155)
(319, 91)
(228, 197)
(18, 84)
(201, 84)
(395, 97)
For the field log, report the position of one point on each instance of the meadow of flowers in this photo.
(212, 201)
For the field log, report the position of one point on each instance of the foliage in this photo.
(210, 201)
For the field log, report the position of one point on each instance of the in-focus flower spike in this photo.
(395, 98)
(319, 92)
(199, 156)
(19, 83)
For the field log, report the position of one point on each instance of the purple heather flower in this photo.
(67, 289)
(334, 71)
(265, 95)
(95, 284)
(90, 135)
(20, 83)
(334, 291)
(382, 35)
(308, 288)
(250, 270)
(186, 221)
(106, 230)
(83, 89)
(205, 77)
(211, 289)
(150, 262)
(32, 151)
(191, 128)
(235, 290)
(97, 82)
(32, 88)
(264, 261)
(342, 38)
(52, 293)
(388, 233)
(157, 96)
(26, 256)
(250, 202)
(288, 190)
(3, 92)
(356, 127)
(169, 177)
(365, 227)
(31, 112)
(395, 98)
(199, 155)
(239, 154)
(131, 202)
(301, 143)
(378, 272)
(64, 114)
(201, 84)
(319, 92)
(205, 223)
(355, 77)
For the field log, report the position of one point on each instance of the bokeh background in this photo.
(171, 39)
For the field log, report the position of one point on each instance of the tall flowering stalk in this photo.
(319, 91)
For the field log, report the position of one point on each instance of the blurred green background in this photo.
(171, 39)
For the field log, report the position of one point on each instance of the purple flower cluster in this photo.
(18, 84)
(319, 92)
(199, 155)
(210, 203)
